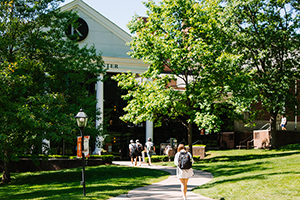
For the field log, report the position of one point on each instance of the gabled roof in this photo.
(81, 5)
(107, 38)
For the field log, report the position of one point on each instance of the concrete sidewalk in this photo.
(166, 189)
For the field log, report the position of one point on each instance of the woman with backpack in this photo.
(183, 160)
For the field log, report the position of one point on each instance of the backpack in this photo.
(140, 147)
(184, 161)
(133, 148)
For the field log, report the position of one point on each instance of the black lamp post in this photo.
(81, 119)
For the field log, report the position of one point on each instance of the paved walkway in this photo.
(166, 189)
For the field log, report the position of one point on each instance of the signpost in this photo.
(82, 119)
(86, 146)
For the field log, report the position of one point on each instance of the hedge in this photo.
(105, 158)
(157, 158)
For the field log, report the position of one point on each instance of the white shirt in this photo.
(148, 145)
(131, 145)
(283, 121)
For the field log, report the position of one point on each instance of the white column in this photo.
(149, 124)
(149, 130)
(100, 107)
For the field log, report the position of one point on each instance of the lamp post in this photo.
(81, 119)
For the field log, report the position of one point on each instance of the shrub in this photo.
(196, 145)
(290, 147)
(105, 158)
(157, 158)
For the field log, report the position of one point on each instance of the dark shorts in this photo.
(132, 155)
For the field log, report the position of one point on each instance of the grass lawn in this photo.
(252, 174)
(102, 182)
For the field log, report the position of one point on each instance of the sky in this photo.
(119, 12)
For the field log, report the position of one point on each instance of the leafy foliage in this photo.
(177, 38)
(266, 36)
(44, 76)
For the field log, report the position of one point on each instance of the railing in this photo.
(266, 125)
(248, 140)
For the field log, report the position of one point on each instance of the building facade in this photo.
(110, 40)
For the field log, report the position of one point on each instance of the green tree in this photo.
(44, 77)
(266, 36)
(177, 37)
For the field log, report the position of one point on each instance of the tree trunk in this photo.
(6, 168)
(274, 142)
(190, 136)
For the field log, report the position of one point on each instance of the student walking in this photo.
(139, 151)
(283, 122)
(133, 152)
(183, 160)
(149, 148)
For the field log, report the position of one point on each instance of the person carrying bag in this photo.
(184, 161)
